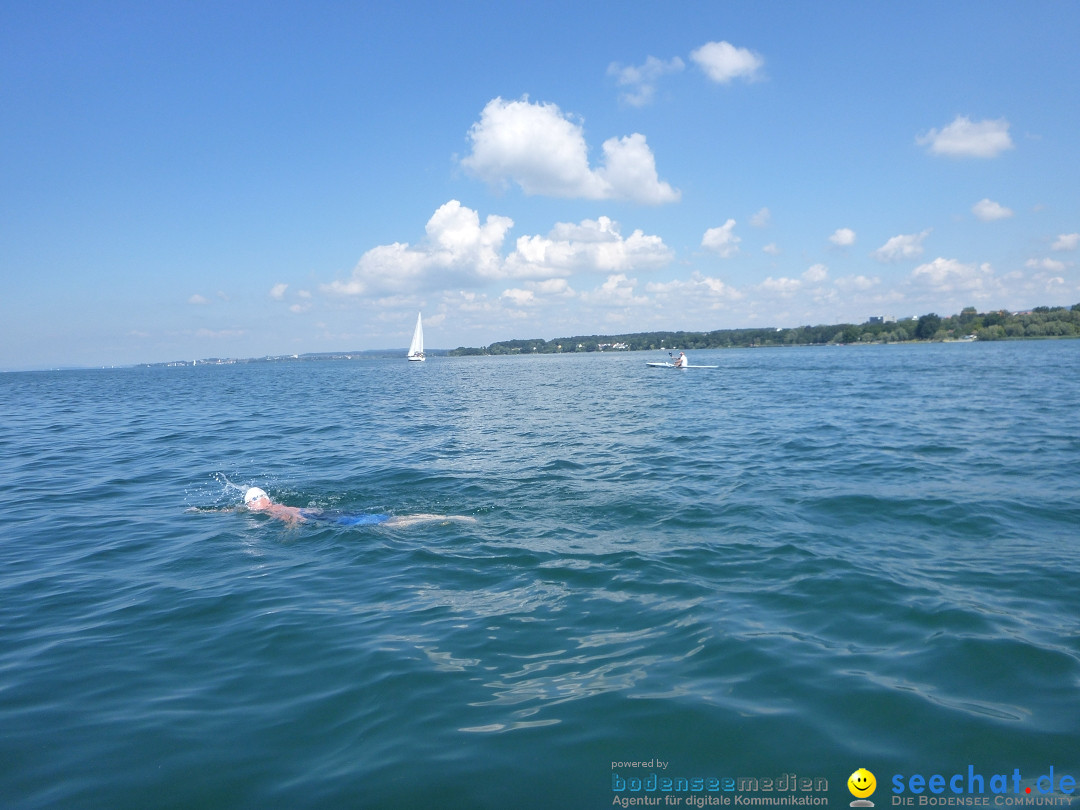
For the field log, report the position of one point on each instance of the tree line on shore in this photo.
(1041, 322)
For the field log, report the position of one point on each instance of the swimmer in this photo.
(256, 500)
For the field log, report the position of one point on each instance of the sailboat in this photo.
(416, 348)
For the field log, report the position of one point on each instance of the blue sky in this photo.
(183, 180)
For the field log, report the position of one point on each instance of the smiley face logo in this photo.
(861, 783)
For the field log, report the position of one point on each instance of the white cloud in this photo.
(536, 146)
(460, 250)
(856, 283)
(519, 298)
(629, 172)
(539, 292)
(783, 287)
(816, 274)
(1067, 241)
(468, 302)
(967, 138)
(592, 246)
(772, 249)
(843, 237)
(617, 290)
(641, 81)
(459, 239)
(723, 62)
(987, 210)
(762, 218)
(197, 299)
(950, 275)
(303, 305)
(456, 243)
(544, 152)
(382, 268)
(904, 246)
(552, 287)
(1053, 265)
(696, 288)
(721, 240)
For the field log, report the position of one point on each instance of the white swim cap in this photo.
(254, 493)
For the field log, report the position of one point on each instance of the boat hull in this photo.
(672, 365)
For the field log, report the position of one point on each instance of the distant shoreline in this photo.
(969, 325)
(1041, 323)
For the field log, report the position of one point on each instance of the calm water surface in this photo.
(806, 560)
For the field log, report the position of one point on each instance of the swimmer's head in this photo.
(255, 498)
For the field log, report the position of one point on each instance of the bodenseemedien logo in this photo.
(862, 785)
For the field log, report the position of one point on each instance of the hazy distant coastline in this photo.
(1041, 322)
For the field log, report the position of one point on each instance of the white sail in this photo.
(416, 348)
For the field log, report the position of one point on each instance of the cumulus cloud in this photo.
(722, 240)
(967, 138)
(1053, 265)
(816, 274)
(545, 153)
(305, 301)
(457, 238)
(843, 237)
(616, 291)
(197, 299)
(904, 246)
(552, 287)
(722, 62)
(696, 288)
(459, 248)
(987, 210)
(519, 298)
(762, 218)
(591, 245)
(1067, 241)
(772, 249)
(856, 283)
(277, 292)
(783, 287)
(457, 243)
(640, 81)
(950, 275)
(629, 172)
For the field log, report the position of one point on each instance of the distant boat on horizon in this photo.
(416, 348)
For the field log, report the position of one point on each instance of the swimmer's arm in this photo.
(290, 514)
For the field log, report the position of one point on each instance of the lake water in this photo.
(805, 561)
